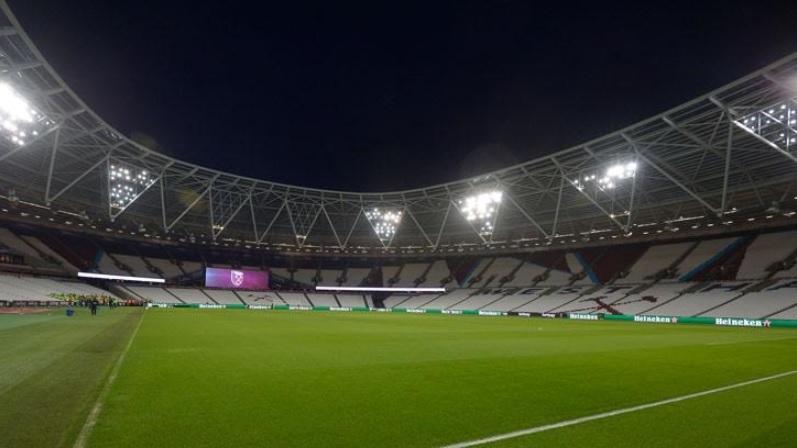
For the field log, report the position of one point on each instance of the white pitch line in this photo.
(525, 432)
(85, 432)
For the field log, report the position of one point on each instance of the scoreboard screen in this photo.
(236, 278)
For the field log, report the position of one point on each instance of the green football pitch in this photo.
(243, 378)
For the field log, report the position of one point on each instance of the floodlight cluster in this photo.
(610, 179)
(384, 222)
(126, 183)
(481, 208)
(19, 122)
(776, 124)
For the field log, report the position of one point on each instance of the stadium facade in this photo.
(723, 162)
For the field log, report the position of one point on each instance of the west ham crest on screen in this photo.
(236, 277)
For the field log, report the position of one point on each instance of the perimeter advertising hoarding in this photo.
(236, 278)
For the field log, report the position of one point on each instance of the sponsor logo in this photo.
(453, 312)
(209, 306)
(415, 310)
(656, 319)
(236, 278)
(549, 315)
(583, 316)
(259, 307)
(300, 307)
(382, 310)
(339, 308)
(740, 322)
(524, 314)
(490, 313)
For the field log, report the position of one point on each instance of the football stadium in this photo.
(638, 289)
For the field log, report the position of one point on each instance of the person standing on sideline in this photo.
(93, 307)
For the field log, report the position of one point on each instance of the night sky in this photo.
(382, 96)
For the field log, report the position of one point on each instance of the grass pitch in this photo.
(211, 378)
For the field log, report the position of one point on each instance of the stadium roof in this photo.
(727, 154)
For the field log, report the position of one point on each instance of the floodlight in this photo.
(19, 121)
(125, 183)
(776, 124)
(384, 223)
(481, 210)
(611, 177)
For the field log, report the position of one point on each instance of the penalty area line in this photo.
(91, 420)
(589, 418)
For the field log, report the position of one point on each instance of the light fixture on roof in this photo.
(385, 222)
(609, 179)
(125, 183)
(481, 210)
(19, 121)
(775, 124)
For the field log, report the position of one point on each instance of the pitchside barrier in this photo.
(721, 321)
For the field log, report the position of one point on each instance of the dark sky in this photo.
(380, 96)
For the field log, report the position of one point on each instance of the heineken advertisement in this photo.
(213, 306)
(741, 322)
(644, 319)
(721, 321)
(253, 307)
(486, 313)
(576, 316)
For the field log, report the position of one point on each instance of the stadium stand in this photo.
(526, 274)
(766, 250)
(223, 297)
(165, 268)
(599, 301)
(352, 300)
(701, 256)
(291, 298)
(438, 273)
(190, 295)
(656, 260)
(578, 269)
(499, 270)
(449, 299)
(555, 277)
(410, 273)
(260, 298)
(646, 297)
(137, 265)
(151, 294)
(554, 298)
(481, 299)
(318, 299)
(108, 265)
(19, 288)
(700, 298)
(477, 276)
(409, 301)
(31, 255)
(515, 299)
(305, 276)
(48, 253)
(355, 276)
(760, 304)
(192, 266)
(329, 277)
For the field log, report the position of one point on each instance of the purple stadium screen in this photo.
(236, 278)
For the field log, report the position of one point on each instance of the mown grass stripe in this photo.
(577, 421)
(91, 420)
